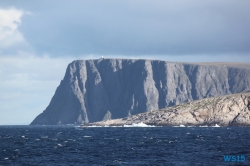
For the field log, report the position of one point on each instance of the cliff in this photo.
(93, 90)
(226, 110)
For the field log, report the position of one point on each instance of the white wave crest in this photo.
(216, 125)
(141, 124)
(180, 126)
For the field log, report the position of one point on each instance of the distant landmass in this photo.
(229, 110)
(104, 89)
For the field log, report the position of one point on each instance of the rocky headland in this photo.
(103, 89)
(229, 110)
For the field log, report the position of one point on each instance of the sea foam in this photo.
(141, 124)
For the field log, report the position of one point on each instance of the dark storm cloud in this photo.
(136, 27)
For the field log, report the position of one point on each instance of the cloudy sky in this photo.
(39, 38)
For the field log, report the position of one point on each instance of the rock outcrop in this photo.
(93, 90)
(225, 111)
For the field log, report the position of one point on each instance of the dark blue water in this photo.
(63, 145)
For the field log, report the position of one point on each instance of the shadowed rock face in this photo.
(92, 88)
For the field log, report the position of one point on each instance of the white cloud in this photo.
(10, 19)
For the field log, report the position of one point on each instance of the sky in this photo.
(38, 39)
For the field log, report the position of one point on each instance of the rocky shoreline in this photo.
(229, 110)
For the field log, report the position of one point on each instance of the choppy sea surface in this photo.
(70, 145)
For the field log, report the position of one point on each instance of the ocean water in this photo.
(69, 145)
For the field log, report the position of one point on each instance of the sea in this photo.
(129, 145)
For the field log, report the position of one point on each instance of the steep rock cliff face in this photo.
(96, 89)
(224, 110)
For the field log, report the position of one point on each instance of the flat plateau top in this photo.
(226, 64)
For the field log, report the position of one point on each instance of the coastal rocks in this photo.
(124, 87)
(225, 111)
